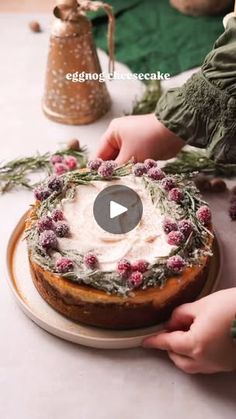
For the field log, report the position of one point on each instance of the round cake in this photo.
(119, 281)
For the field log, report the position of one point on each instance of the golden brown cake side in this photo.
(97, 308)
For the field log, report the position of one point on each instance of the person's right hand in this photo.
(197, 336)
(139, 137)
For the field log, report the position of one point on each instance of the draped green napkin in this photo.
(151, 35)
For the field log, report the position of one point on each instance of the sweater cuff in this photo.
(201, 114)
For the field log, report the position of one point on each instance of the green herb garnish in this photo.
(17, 172)
(148, 102)
(197, 161)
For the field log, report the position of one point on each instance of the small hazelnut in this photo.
(218, 185)
(34, 26)
(73, 144)
(203, 183)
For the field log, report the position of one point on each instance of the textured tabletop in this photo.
(42, 376)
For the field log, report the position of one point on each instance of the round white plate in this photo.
(46, 317)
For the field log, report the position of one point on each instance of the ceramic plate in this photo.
(46, 317)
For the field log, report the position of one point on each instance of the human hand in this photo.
(140, 137)
(198, 336)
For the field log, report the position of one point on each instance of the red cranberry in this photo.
(90, 260)
(176, 264)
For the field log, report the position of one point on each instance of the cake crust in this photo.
(96, 308)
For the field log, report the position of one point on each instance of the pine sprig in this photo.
(198, 161)
(187, 210)
(83, 178)
(148, 101)
(18, 172)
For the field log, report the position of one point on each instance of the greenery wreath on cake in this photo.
(187, 225)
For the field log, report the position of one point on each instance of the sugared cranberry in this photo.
(56, 158)
(176, 195)
(140, 266)
(60, 169)
(139, 169)
(169, 225)
(61, 229)
(45, 223)
(64, 265)
(149, 163)
(204, 215)
(48, 240)
(90, 260)
(168, 183)
(41, 193)
(106, 169)
(175, 238)
(176, 264)
(71, 162)
(186, 227)
(135, 280)
(57, 215)
(124, 268)
(94, 164)
(155, 173)
(55, 183)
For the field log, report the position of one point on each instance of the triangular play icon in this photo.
(116, 209)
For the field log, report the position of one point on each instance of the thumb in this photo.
(178, 342)
(109, 146)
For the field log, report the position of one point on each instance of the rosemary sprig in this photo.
(82, 178)
(187, 209)
(148, 101)
(197, 160)
(17, 172)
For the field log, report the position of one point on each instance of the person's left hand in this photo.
(198, 336)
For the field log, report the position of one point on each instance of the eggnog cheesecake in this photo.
(119, 281)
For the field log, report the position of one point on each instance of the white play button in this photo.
(116, 209)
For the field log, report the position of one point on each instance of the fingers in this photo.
(185, 363)
(179, 346)
(109, 148)
(181, 318)
(123, 156)
(179, 342)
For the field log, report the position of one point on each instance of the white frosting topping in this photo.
(147, 241)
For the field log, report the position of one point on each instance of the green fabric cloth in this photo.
(203, 111)
(151, 35)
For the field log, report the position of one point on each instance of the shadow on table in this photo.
(221, 386)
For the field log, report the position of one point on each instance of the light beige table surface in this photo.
(27, 6)
(42, 377)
